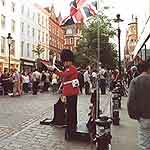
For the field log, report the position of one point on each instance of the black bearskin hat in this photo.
(66, 55)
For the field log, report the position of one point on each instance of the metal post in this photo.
(118, 20)
(119, 48)
(145, 53)
(9, 38)
(9, 58)
(98, 61)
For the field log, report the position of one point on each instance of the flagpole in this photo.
(98, 62)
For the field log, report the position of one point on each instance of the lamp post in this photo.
(9, 38)
(118, 20)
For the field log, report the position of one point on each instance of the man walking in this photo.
(87, 81)
(139, 105)
(35, 81)
(103, 75)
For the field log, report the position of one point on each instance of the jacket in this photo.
(69, 74)
(139, 98)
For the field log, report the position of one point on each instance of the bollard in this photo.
(115, 107)
(103, 133)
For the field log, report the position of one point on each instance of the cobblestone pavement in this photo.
(16, 113)
(20, 117)
(27, 133)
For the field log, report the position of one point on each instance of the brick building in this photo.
(56, 33)
(72, 34)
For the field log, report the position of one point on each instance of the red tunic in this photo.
(69, 74)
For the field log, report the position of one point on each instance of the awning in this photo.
(44, 62)
(143, 38)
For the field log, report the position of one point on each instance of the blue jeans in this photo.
(144, 134)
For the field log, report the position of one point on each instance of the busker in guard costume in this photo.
(70, 87)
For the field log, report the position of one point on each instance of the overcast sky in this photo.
(126, 8)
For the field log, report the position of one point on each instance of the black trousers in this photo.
(26, 87)
(103, 86)
(35, 87)
(87, 88)
(72, 112)
(46, 86)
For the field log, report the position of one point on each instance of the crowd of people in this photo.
(17, 84)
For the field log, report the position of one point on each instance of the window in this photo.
(69, 31)
(33, 32)
(3, 44)
(38, 18)
(33, 16)
(39, 34)
(43, 37)
(22, 9)
(12, 51)
(22, 27)
(12, 6)
(33, 47)
(3, 2)
(28, 49)
(42, 20)
(46, 38)
(28, 30)
(13, 23)
(28, 13)
(46, 22)
(3, 20)
(22, 48)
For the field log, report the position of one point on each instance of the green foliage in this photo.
(88, 44)
(38, 50)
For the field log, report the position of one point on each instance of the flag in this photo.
(80, 10)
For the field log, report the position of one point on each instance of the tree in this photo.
(38, 50)
(88, 44)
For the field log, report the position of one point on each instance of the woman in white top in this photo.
(26, 81)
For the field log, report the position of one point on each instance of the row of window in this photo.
(3, 46)
(3, 23)
(13, 5)
(27, 48)
(40, 19)
(69, 41)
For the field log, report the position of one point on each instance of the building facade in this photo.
(72, 36)
(142, 49)
(31, 26)
(56, 33)
(34, 34)
(9, 23)
(131, 40)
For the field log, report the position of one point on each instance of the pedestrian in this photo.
(139, 105)
(81, 81)
(54, 82)
(103, 75)
(5, 81)
(47, 81)
(35, 81)
(16, 81)
(43, 80)
(70, 88)
(87, 81)
(25, 78)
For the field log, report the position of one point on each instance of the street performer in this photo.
(70, 88)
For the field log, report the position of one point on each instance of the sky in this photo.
(126, 8)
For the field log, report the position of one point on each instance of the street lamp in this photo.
(118, 20)
(9, 38)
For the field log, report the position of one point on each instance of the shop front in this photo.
(142, 49)
(27, 65)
